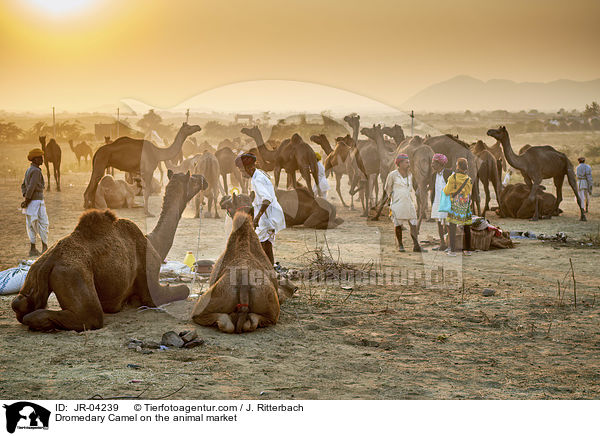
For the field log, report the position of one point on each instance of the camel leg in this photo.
(532, 198)
(222, 320)
(81, 309)
(573, 183)
(47, 173)
(305, 172)
(338, 188)
(150, 290)
(255, 320)
(558, 182)
(224, 176)
(367, 194)
(213, 199)
(57, 176)
(90, 192)
(486, 189)
(198, 200)
(277, 173)
(319, 219)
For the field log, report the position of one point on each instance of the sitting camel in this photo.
(104, 264)
(243, 285)
(115, 194)
(513, 202)
(302, 208)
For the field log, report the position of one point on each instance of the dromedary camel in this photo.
(537, 164)
(338, 160)
(226, 158)
(135, 156)
(419, 155)
(104, 264)
(243, 286)
(513, 202)
(115, 194)
(52, 154)
(265, 158)
(301, 208)
(81, 151)
(365, 164)
(495, 150)
(488, 173)
(208, 165)
(296, 155)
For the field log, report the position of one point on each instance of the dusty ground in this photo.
(411, 340)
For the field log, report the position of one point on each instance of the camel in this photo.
(489, 172)
(135, 156)
(115, 194)
(365, 163)
(226, 158)
(103, 265)
(265, 158)
(81, 150)
(322, 140)
(419, 155)
(208, 165)
(338, 160)
(52, 154)
(296, 155)
(513, 202)
(539, 163)
(396, 133)
(301, 208)
(453, 148)
(242, 293)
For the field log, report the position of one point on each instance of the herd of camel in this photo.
(366, 162)
(107, 263)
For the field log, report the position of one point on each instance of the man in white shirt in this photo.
(584, 182)
(323, 183)
(268, 214)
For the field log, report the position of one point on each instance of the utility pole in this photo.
(412, 123)
(53, 123)
(187, 116)
(118, 117)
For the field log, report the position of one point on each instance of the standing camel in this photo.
(537, 164)
(134, 156)
(296, 155)
(265, 158)
(488, 173)
(226, 158)
(81, 150)
(207, 165)
(52, 154)
(396, 133)
(419, 155)
(337, 160)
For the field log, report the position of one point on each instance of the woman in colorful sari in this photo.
(459, 188)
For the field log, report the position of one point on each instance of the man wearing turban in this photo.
(398, 186)
(268, 214)
(437, 184)
(34, 208)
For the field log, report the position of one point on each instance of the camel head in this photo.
(42, 140)
(319, 139)
(188, 129)
(500, 134)
(346, 140)
(252, 132)
(234, 203)
(353, 120)
(369, 132)
(395, 132)
(184, 185)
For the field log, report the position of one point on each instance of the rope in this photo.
(197, 244)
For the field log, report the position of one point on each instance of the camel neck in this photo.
(171, 151)
(163, 233)
(509, 154)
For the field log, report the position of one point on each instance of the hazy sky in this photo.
(88, 53)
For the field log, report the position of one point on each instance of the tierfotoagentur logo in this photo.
(25, 415)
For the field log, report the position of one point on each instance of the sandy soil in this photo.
(413, 339)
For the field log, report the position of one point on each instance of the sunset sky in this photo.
(82, 54)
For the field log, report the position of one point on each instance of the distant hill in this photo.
(464, 92)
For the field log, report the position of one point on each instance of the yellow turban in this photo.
(318, 155)
(36, 152)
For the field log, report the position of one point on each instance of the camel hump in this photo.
(296, 139)
(94, 222)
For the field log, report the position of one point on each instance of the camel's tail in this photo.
(242, 308)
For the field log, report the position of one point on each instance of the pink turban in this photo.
(400, 158)
(440, 158)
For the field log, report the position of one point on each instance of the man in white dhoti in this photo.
(584, 182)
(398, 186)
(323, 183)
(437, 185)
(34, 208)
(268, 214)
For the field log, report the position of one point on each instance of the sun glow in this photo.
(61, 7)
